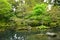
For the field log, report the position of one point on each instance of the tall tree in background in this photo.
(5, 14)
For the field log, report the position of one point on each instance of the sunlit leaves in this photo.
(39, 9)
(5, 13)
(42, 27)
(4, 6)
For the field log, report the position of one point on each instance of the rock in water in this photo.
(51, 34)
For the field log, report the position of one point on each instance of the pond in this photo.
(27, 36)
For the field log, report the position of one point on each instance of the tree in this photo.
(5, 7)
(5, 13)
(39, 13)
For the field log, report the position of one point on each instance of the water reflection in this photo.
(28, 36)
(17, 37)
(11, 38)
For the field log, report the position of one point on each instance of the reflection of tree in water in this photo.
(18, 37)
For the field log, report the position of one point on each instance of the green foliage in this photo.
(42, 27)
(33, 23)
(35, 13)
(5, 13)
(47, 19)
(53, 24)
(40, 14)
(36, 17)
(5, 7)
(39, 9)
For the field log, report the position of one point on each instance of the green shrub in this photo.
(53, 24)
(39, 9)
(42, 27)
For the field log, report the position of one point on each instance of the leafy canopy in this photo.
(39, 9)
(5, 7)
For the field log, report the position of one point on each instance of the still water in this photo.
(27, 36)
